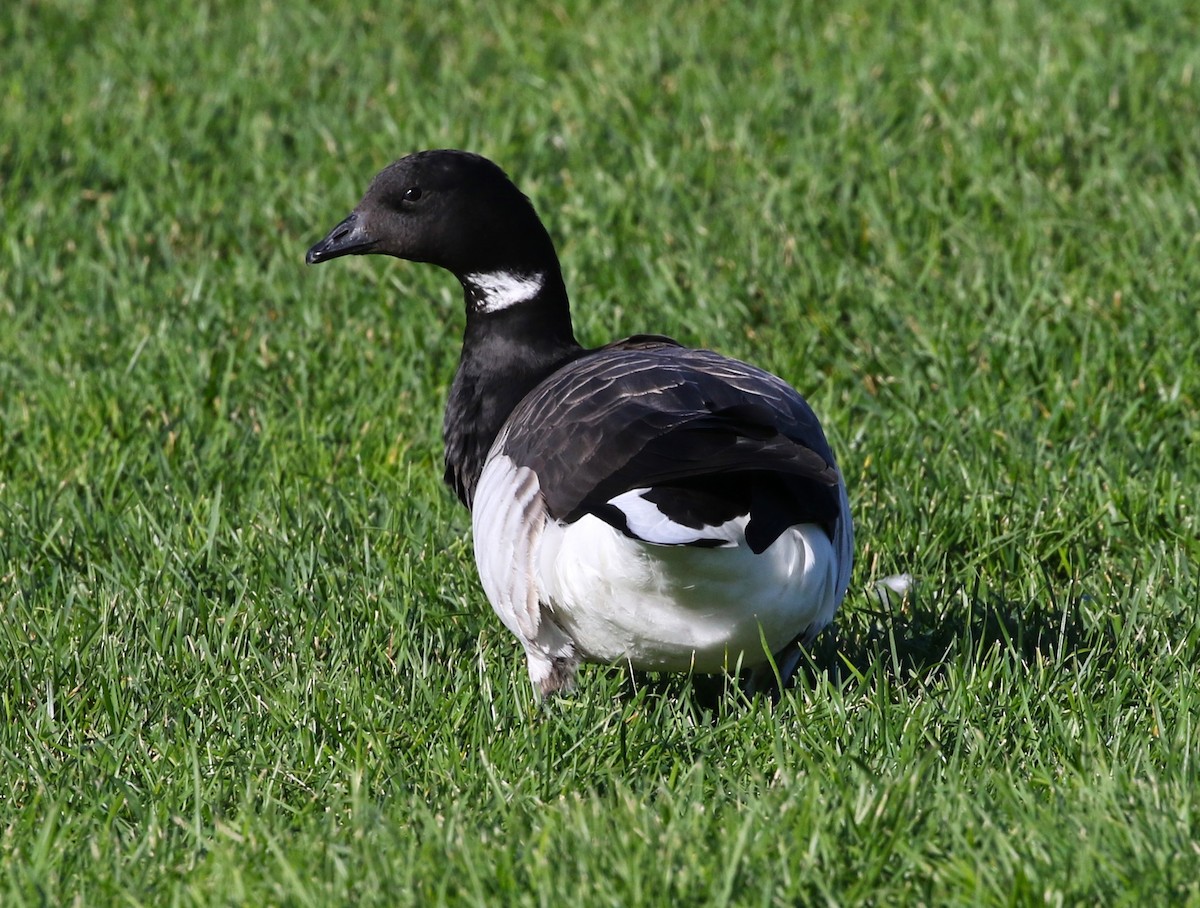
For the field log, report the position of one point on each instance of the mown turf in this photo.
(243, 654)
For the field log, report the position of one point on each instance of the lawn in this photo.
(244, 656)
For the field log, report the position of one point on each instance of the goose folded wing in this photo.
(668, 445)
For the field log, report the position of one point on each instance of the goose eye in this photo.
(412, 193)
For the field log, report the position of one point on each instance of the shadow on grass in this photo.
(909, 639)
(905, 638)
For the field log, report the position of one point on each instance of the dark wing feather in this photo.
(711, 437)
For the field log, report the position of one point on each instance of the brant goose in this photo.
(642, 502)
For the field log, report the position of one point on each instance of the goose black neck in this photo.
(505, 354)
(542, 321)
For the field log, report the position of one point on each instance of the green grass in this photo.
(244, 657)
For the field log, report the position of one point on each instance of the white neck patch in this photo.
(496, 290)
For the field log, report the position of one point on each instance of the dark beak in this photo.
(347, 238)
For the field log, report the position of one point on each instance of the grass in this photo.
(244, 658)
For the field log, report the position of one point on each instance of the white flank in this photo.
(647, 522)
(499, 290)
(507, 522)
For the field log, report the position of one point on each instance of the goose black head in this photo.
(450, 208)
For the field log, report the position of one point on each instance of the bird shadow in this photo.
(915, 636)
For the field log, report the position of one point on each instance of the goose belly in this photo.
(678, 607)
